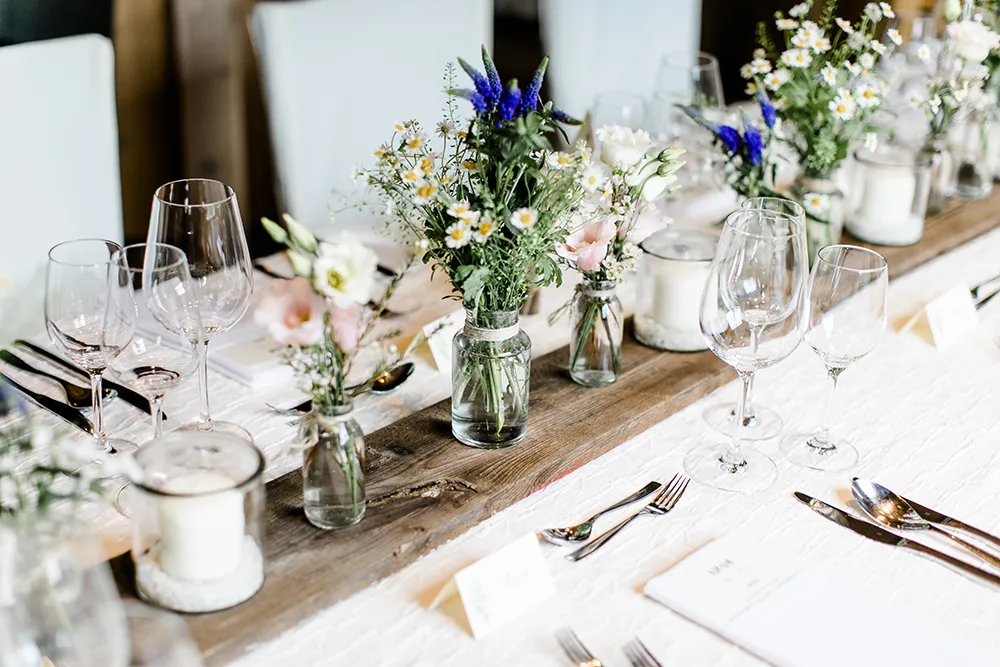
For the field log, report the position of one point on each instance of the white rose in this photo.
(621, 146)
(972, 41)
(344, 271)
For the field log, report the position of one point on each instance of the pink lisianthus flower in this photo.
(647, 222)
(292, 312)
(586, 248)
(346, 324)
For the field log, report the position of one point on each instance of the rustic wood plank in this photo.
(425, 488)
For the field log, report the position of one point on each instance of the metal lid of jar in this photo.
(686, 245)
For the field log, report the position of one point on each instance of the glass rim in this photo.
(798, 229)
(701, 234)
(702, 59)
(744, 205)
(237, 486)
(106, 242)
(120, 253)
(230, 193)
(609, 94)
(846, 246)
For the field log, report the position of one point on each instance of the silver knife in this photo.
(133, 398)
(879, 534)
(58, 408)
(933, 516)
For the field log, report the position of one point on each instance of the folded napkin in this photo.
(757, 598)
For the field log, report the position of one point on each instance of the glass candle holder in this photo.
(198, 521)
(672, 275)
(889, 196)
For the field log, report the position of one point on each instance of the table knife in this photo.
(131, 397)
(879, 534)
(58, 408)
(933, 516)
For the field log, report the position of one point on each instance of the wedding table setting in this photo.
(524, 443)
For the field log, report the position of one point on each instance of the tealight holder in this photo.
(672, 275)
(198, 521)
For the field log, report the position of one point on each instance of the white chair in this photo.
(337, 74)
(59, 176)
(598, 46)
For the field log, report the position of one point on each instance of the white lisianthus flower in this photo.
(786, 24)
(894, 36)
(799, 10)
(924, 53)
(484, 230)
(842, 107)
(887, 10)
(878, 47)
(866, 96)
(796, 58)
(816, 203)
(760, 66)
(845, 26)
(457, 235)
(871, 142)
(523, 218)
(344, 271)
(621, 146)
(777, 78)
(829, 75)
(972, 41)
(593, 177)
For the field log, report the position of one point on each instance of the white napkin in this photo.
(755, 597)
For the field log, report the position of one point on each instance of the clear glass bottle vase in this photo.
(973, 171)
(824, 205)
(595, 346)
(491, 365)
(936, 153)
(333, 476)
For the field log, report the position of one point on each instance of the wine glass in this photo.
(691, 78)
(760, 422)
(847, 314)
(751, 317)
(162, 353)
(85, 321)
(619, 108)
(158, 638)
(202, 218)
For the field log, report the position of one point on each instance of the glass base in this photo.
(334, 517)
(104, 464)
(756, 473)
(593, 379)
(228, 428)
(797, 449)
(764, 423)
(483, 435)
(124, 499)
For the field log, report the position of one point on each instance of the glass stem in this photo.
(822, 438)
(748, 408)
(97, 394)
(156, 408)
(205, 419)
(733, 459)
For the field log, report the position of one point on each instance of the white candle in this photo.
(201, 536)
(886, 211)
(676, 298)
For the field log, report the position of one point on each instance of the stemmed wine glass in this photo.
(202, 218)
(692, 78)
(847, 314)
(162, 352)
(751, 317)
(760, 422)
(85, 321)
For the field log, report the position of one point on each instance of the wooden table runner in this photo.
(425, 488)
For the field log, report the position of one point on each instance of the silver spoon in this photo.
(581, 532)
(893, 511)
(383, 384)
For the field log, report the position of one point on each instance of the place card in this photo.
(945, 319)
(439, 335)
(500, 587)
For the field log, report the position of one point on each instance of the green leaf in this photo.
(473, 285)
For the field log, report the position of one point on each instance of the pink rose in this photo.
(586, 248)
(346, 324)
(292, 312)
(647, 222)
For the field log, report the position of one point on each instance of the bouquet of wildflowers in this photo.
(750, 169)
(823, 80)
(324, 315)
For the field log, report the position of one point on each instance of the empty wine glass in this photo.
(847, 314)
(760, 422)
(691, 78)
(202, 218)
(158, 638)
(619, 108)
(162, 353)
(85, 322)
(751, 318)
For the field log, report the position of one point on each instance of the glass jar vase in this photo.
(889, 196)
(198, 521)
(333, 475)
(490, 368)
(595, 346)
(940, 161)
(973, 168)
(823, 202)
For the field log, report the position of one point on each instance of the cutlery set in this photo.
(636, 652)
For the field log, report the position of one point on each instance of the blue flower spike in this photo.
(492, 76)
(510, 101)
(754, 142)
(530, 100)
(766, 109)
(729, 136)
(479, 103)
(479, 81)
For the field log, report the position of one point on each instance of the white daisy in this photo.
(426, 165)
(857, 42)
(960, 94)
(759, 53)
(523, 218)
(878, 47)
(867, 61)
(414, 143)
(845, 26)
(934, 103)
(820, 44)
(412, 176)
(871, 142)
(796, 58)
(829, 75)
(460, 209)
(866, 96)
(469, 165)
(787, 24)
(400, 126)
(802, 38)
(845, 93)
(873, 11)
(853, 68)
(593, 177)
(887, 10)
(894, 35)
(558, 159)
(810, 26)
(746, 72)
(458, 235)
(798, 10)
(777, 78)
(751, 89)
(924, 53)
(424, 193)
(484, 230)
(842, 107)
(816, 203)
(760, 66)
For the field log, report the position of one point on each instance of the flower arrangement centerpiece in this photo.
(324, 319)
(489, 203)
(603, 245)
(826, 91)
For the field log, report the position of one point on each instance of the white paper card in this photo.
(501, 586)
(951, 315)
(439, 335)
(758, 598)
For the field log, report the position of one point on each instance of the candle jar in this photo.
(824, 205)
(491, 363)
(672, 276)
(889, 194)
(198, 521)
(333, 476)
(973, 170)
(595, 347)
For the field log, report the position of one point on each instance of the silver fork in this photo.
(664, 501)
(640, 656)
(575, 650)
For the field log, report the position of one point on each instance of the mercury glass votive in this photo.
(674, 268)
(198, 521)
